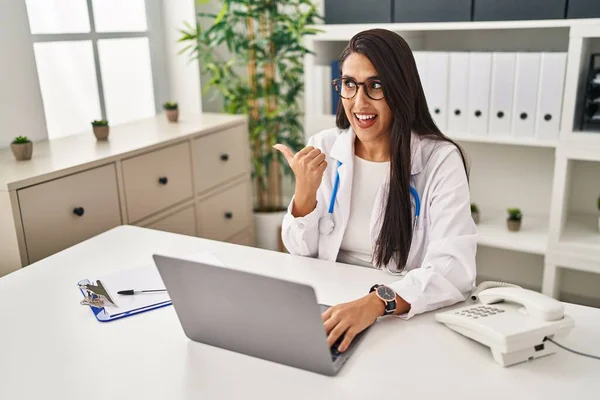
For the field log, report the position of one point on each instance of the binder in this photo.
(458, 91)
(421, 62)
(527, 76)
(550, 95)
(437, 88)
(480, 70)
(501, 95)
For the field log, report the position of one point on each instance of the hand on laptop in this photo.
(351, 318)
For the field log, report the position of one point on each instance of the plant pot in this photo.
(172, 115)
(22, 151)
(101, 132)
(475, 216)
(513, 225)
(267, 228)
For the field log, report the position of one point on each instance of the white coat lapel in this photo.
(343, 150)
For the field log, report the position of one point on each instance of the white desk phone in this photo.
(512, 321)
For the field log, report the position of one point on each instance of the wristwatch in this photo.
(387, 295)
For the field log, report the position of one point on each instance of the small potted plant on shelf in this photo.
(513, 221)
(172, 110)
(101, 129)
(475, 213)
(22, 148)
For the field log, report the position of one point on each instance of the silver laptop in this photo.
(260, 316)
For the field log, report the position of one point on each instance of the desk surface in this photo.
(52, 347)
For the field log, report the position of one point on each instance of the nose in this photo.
(361, 97)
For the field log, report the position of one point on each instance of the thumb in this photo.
(287, 153)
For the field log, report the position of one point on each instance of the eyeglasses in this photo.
(348, 87)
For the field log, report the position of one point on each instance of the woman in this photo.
(393, 164)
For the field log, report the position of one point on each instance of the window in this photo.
(97, 59)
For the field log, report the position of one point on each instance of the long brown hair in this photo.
(392, 58)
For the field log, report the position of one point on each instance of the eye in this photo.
(349, 83)
(375, 85)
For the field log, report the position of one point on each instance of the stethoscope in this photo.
(326, 223)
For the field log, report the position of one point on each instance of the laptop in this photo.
(252, 314)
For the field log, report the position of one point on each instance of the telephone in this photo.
(513, 322)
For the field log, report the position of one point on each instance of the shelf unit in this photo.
(555, 182)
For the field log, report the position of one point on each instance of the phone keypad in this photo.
(479, 312)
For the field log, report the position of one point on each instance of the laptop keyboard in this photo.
(335, 353)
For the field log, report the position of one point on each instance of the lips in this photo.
(365, 120)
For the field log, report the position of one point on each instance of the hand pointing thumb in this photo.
(286, 151)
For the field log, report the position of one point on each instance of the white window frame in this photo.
(154, 33)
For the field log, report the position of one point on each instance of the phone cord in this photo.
(571, 350)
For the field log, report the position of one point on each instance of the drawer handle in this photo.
(79, 211)
(224, 157)
(228, 215)
(163, 180)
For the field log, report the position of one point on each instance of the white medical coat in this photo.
(440, 269)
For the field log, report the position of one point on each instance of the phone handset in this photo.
(487, 285)
(536, 304)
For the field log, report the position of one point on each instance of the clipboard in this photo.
(106, 305)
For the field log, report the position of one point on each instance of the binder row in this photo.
(494, 94)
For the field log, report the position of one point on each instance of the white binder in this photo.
(550, 95)
(527, 76)
(502, 89)
(480, 67)
(421, 61)
(437, 88)
(458, 90)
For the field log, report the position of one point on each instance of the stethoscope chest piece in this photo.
(326, 225)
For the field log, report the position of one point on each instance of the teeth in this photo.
(365, 116)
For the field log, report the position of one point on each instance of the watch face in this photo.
(386, 293)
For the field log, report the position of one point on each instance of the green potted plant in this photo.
(262, 77)
(475, 213)
(101, 129)
(514, 219)
(22, 148)
(172, 111)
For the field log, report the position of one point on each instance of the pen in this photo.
(132, 292)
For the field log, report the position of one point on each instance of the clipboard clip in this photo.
(95, 295)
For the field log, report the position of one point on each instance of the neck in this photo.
(373, 151)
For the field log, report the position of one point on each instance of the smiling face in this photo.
(370, 119)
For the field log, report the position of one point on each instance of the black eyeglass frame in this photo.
(358, 84)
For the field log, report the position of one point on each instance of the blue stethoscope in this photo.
(326, 223)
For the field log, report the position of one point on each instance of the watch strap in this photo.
(390, 306)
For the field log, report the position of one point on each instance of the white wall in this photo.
(21, 107)
(183, 74)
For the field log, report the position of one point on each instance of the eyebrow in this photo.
(369, 78)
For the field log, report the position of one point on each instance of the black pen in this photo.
(132, 292)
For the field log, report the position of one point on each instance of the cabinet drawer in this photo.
(183, 222)
(157, 180)
(219, 157)
(224, 214)
(244, 239)
(60, 213)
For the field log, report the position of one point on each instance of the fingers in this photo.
(286, 151)
(336, 332)
(348, 338)
(331, 322)
(316, 162)
(326, 314)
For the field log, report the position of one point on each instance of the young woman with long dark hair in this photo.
(385, 189)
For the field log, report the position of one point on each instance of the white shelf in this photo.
(327, 121)
(532, 238)
(346, 31)
(508, 140)
(581, 145)
(582, 234)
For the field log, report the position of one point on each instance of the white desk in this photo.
(52, 347)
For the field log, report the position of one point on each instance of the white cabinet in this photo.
(191, 178)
